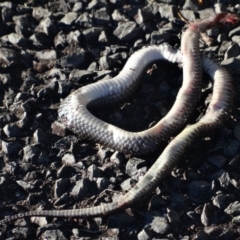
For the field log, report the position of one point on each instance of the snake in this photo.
(74, 114)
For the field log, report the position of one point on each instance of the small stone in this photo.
(213, 231)
(231, 149)
(16, 39)
(207, 214)
(74, 37)
(58, 129)
(94, 172)
(60, 40)
(158, 37)
(222, 177)
(7, 14)
(5, 79)
(232, 51)
(236, 39)
(47, 27)
(14, 130)
(235, 31)
(157, 223)
(73, 60)
(166, 11)
(46, 55)
(106, 62)
(102, 183)
(144, 235)
(39, 13)
(118, 158)
(31, 153)
(189, 14)
(235, 162)
(133, 165)
(201, 235)
(218, 161)
(127, 31)
(119, 16)
(236, 220)
(40, 39)
(23, 24)
(198, 189)
(11, 148)
(206, 13)
(77, 75)
(54, 234)
(81, 188)
(101, 16)
(41, 137)
(10, 168)
(78, 6)
(156, 204)
(179, 202)
(25, 185)
(224, 46)
(9, 57)
(236, 132)
(173, 217)
(223, 200)
(69, 18)
(94, 4)
(85, 19)
(233, 209)
(60, 187)
(144, 14)
(68, 159)
(127, 184)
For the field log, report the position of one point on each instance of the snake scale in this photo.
(74, 114)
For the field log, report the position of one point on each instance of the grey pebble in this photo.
(53, 234)
(156, 223)
(127, 184)
(73, 60)
(189, 14)
(127, 31)
(236, 132)
(81, 187)
(39, 13)
(232, 51)
(101, 16)
(198, 189)
(133, 165)
(223, 200)
(94, 172)
(223, 178)
(60, 187)
(166, 11)
(78, 6)
(91, 34)
(207, 214)
(218, 161)
(233, 208)
(46, 55)
(46, 26)
(231, 149)
(69, 18)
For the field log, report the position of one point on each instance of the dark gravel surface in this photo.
(48, 49)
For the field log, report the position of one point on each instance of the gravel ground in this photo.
(48, 49)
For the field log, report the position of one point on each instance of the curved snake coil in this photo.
(73, 112)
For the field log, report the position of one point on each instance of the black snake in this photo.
(74, 114)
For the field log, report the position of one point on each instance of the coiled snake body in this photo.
(74, 114)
